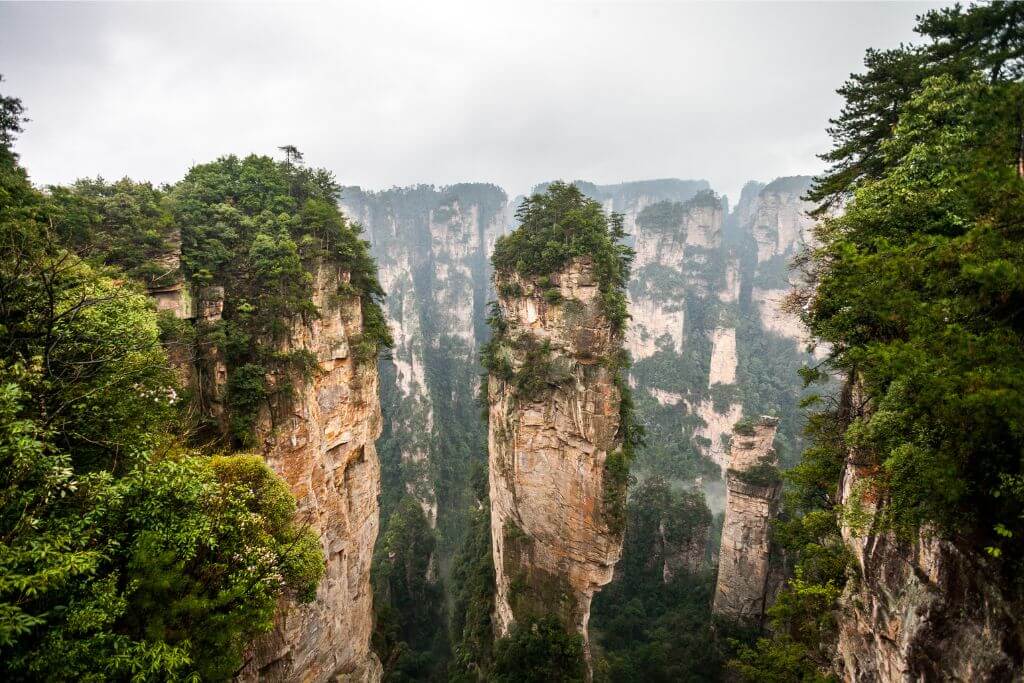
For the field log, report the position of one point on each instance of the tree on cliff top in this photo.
(918, 289)
(562, 224)
(122, 554)
(985, 38)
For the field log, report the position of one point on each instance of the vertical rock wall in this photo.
(744, 566)
(432, 247)
(554, 544)
(324, 449)
(322, 445)
(919, 609)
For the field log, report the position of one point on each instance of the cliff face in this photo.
(752, 501)
(553, 539)
(777, 221)
(324, 448)
(919, 609)
(322, 445)
(432, 247)
(707, 334)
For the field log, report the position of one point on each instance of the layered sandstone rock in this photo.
(777, 218)
(919, 609)
(432, 246)
(554, 535)
(753, 492)
(322, 444)
(323, 447)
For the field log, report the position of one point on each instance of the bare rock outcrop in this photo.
(753, 493)
(918, 609)
(324, 449)
(321, 442)
(555, 536)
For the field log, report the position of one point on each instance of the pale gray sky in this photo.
(394, 93)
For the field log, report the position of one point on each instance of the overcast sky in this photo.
(397, 93)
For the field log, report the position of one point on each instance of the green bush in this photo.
(539, 651)
(560, 225)
(123, 555)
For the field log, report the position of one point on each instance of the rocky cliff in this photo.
(753, 495)
(321, 442)
(918, 609)
(432, 245)
(708, 336)
(324, 449)
(777, 221)
(555, 533)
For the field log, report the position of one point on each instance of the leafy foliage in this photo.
(409, 606)
(984, 38)
(261, 229)
(472, 591)
(122, 554)
(644, 628)
(539, 650)
(562, 224)
(916, 288)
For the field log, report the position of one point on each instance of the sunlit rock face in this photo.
(743, 588)
(432, 246)
(554, 544)
(918, 609)
(323, 447)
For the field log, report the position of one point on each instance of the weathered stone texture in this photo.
(553, 548)
(919, 609)
(744, 566)
(323, 447)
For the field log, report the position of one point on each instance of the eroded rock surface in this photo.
(432, 246)
(752, 501)
(553, 539)
(919, 609)
(322, 445)
(324, 449)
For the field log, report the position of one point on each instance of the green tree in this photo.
(122, 554)
(539, 651)
(262, 230)
(409, 604)
(985, 37)
(916, 288)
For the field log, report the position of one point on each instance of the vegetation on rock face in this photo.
(123, 554)
(562, 224)
(262, 229)
(125, 224)
(916, 288)
(765, 473)
(557, 227)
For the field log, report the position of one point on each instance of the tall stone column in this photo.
(556, 511)
(753, 494)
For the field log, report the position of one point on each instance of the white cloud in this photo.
(396, 93)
